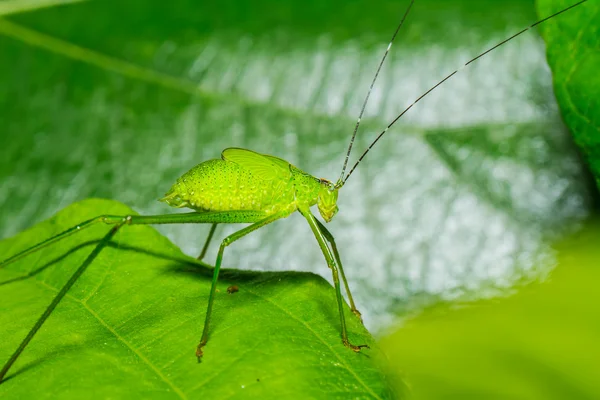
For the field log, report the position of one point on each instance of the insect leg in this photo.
(117, 222)
(58, 298)
(71, 231)
(183, 218)
(226, 242)
(312, 221)
(336, 254)
(208, 239)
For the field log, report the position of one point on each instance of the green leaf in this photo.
(130, 325)
(541, 343)
(573, 49)
(462, 194)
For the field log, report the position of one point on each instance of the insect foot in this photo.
(353, 347)
(199, 352)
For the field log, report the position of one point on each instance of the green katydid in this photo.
(244, 187)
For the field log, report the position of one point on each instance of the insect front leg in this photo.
(314, 226)
(226, 242)
(336, 254)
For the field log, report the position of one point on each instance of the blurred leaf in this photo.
(573, 48)
(541, 343)
(461, 195)
(8, 7)
(129, 326)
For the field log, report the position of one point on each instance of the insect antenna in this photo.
(343, 181)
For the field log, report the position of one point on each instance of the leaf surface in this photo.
(130, 325)
(573, 50)
(459, 199)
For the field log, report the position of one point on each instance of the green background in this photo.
(540, 343)
(460, 200)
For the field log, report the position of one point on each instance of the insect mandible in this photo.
(245, 187)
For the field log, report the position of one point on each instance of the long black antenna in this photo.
(362, 110)
(340, 183)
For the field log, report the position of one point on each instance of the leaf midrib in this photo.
(12, 7)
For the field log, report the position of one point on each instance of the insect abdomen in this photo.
(218, 185)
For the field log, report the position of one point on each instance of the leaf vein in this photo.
(311, 330)
(127, 344)
(95, 58)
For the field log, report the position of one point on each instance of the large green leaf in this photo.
(573, 48)
(539, 344)
(129, 326)
(116, 99)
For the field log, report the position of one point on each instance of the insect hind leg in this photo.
(63, 291)
(107, 219)
(118, 222)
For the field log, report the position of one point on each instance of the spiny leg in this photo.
(76, 275)
(118, 222)
(213, 217)
(226, 242)
(312, 221)
(336, 254)
(71, 231)
(208, 239)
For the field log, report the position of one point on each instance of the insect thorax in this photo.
(311, 191)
